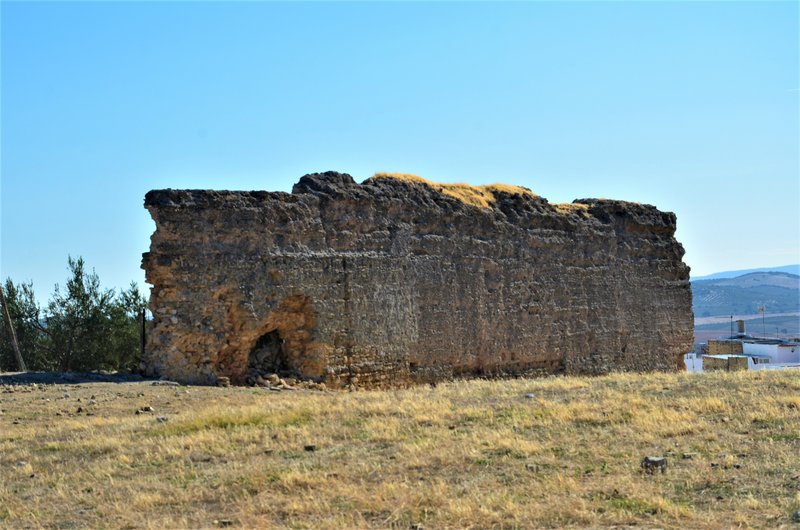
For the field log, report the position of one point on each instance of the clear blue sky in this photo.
(692, 107)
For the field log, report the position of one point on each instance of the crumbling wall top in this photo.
(500, 200)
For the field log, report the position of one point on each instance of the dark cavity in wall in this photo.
(267, 357)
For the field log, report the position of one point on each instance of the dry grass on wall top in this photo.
(571, 207)
(558, 452)
(479, 196)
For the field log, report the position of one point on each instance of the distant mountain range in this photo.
(791, 269)
(745, 293)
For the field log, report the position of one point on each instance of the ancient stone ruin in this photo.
(399, 280)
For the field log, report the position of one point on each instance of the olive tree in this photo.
(91, 328)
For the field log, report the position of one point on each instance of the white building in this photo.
(740, 350)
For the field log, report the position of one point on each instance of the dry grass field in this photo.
(526, 453)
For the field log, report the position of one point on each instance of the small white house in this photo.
(779, 352)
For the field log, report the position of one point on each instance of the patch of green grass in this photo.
(632, 505)
(228, 420)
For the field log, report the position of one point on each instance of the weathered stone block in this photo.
(398, 280)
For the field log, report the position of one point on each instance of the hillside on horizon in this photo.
(779, 292)
(791, 269)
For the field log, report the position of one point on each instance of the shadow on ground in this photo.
(66, 378)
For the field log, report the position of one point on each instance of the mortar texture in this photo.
(394, 281)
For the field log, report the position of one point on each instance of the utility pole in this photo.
(12, 333)
(763, 309)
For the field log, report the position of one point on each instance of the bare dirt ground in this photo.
(98, 451)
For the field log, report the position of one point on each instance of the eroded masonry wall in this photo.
(391, 281)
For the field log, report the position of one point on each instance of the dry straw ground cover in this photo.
(468, 454)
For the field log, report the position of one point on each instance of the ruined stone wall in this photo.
(393, 281)
(734, 363)
(719, 347)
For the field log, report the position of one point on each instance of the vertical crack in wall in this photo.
(348, 322)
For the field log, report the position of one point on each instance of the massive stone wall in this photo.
(397, 280)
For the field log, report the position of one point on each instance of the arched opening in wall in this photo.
(267, 357)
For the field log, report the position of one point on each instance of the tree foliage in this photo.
(25, 317)
(84, 326)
